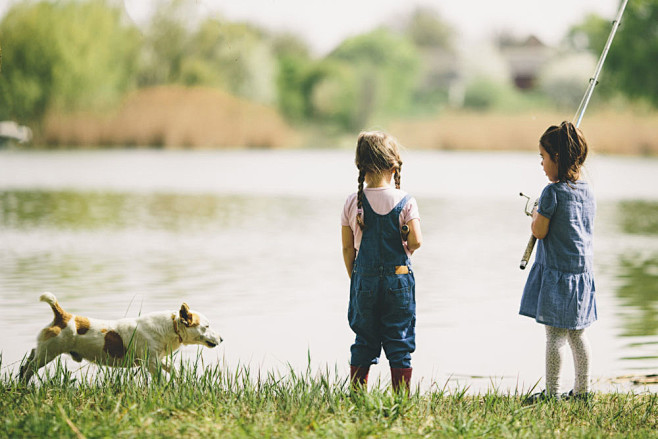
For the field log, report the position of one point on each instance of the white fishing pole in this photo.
(594, 80)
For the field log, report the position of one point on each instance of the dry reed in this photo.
(606, 132)
(174, 116)
(196, 117)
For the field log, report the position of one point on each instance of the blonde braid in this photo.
(359, 200)
(396, 176)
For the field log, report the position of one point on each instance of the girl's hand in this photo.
(349, 252)
(539, 225)
(415, 237)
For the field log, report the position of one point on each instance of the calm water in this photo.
(252, 239)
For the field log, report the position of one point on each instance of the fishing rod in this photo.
(593, 81)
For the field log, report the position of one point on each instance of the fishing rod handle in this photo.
(528, 252)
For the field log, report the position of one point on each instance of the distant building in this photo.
(525, 59)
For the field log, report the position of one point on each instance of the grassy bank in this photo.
(215, 402)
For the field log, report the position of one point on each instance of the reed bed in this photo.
(198, 401)
(172, 117)
(207, 118)
(607, 132)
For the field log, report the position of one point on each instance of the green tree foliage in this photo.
(433, 38)
(239, 55)
(336, 93)
(630, 65)
(427, 29)
(591, 34)
(383, 68)
(66, 55)
(72, 55)
(632, 59)
(165, 45)
(236, 57)
(295, 68)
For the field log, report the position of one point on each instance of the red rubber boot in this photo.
(400, 378)
(359, 377)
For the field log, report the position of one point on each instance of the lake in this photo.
(252, 239)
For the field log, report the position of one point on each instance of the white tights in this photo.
(556, 340)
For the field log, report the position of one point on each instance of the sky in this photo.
(325, 23)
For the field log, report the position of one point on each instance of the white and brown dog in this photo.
(149, 337)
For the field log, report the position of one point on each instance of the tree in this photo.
(427, 29)
(68, 55)
(632, 59)
(166, 43)
(240, 56)
(294, 67)
(591, 34)
(630, 65)
(384, 68)
(433, 38)
(182, 48)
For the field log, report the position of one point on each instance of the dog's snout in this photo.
(214, 340)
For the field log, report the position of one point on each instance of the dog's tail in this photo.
(48, 298)
(52, 301)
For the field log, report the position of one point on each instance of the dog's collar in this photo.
(175, 321)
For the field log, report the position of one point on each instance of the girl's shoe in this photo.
(541, 397)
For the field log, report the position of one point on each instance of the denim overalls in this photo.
(382, 309)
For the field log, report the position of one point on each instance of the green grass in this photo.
(217, 402)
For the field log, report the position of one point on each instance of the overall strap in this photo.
(403, 202)
(365, 204)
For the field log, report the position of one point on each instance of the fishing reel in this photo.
(404, 232)
(527, 203)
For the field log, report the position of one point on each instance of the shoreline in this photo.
(608, 134)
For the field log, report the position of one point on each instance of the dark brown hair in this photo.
(376, 152)
(566, 146)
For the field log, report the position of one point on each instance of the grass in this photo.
(200, 401)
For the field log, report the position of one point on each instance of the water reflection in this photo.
(638, 289)
(158, 211)
(639, 217)
(639, 292)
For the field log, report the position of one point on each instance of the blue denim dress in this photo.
(382, 310)
(560, 288)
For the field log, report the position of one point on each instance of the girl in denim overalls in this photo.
(382, 309)
(559, 292)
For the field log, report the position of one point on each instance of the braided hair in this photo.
(566, 146)
(376, 152)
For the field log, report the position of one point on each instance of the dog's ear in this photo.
(185, 316)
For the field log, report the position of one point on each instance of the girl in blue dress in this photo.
(382, 308)
(559, 292)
